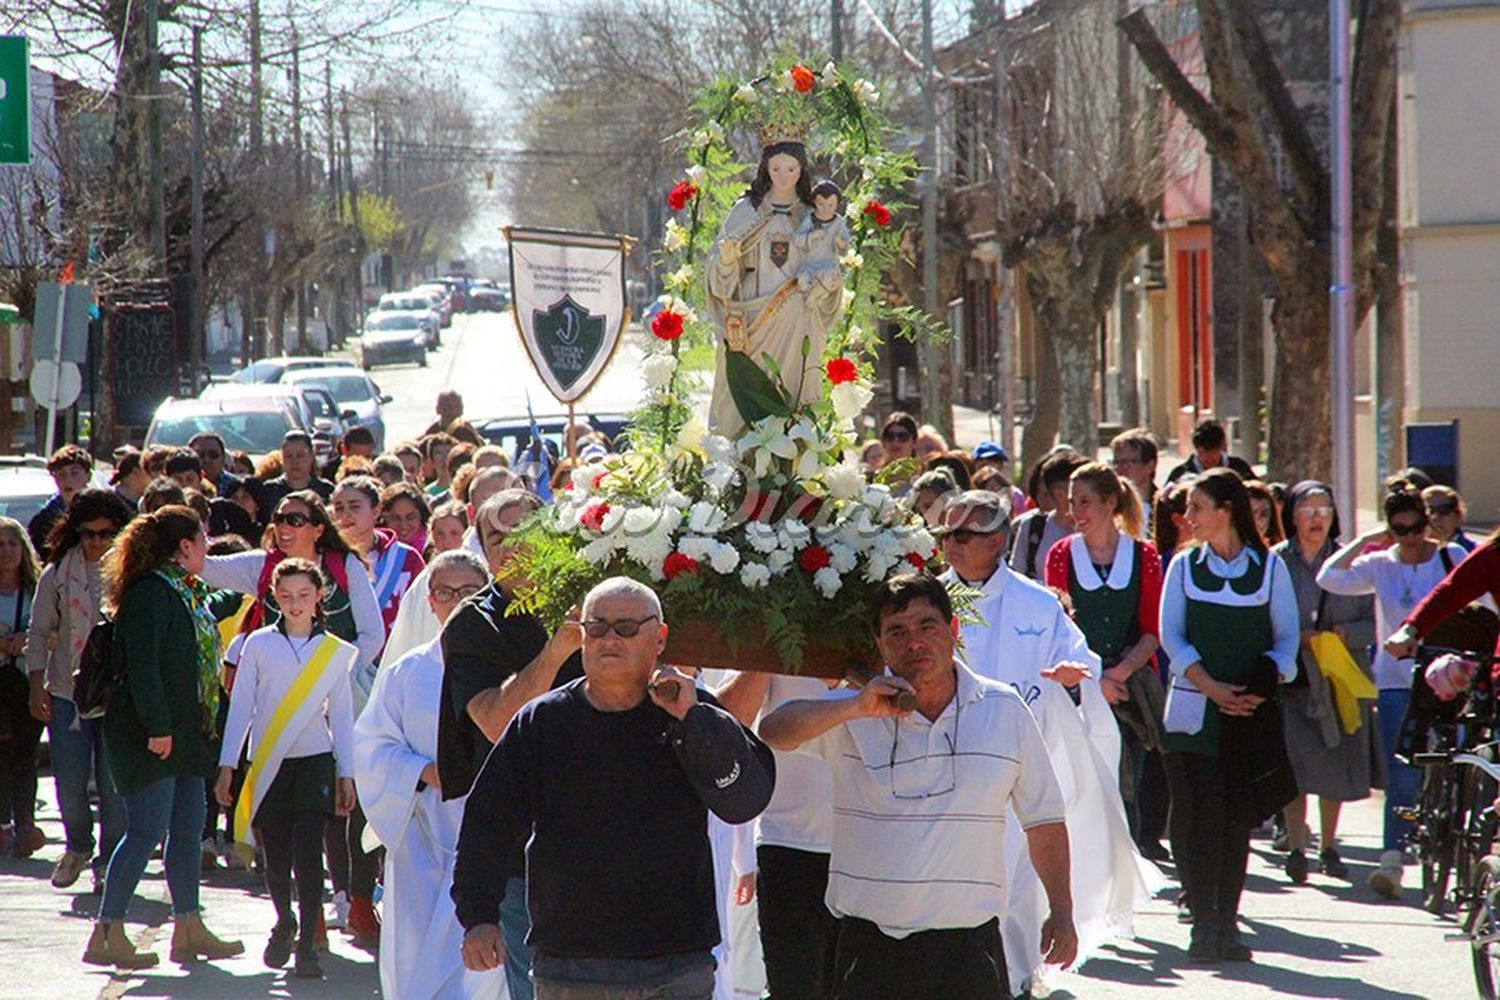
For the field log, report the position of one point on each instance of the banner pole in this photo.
(571, 437)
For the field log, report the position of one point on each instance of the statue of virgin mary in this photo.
(772, 290)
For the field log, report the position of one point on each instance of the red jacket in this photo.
(1475, 576)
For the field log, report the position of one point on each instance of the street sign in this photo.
(56, 386)
(76, 300)
(15, 100)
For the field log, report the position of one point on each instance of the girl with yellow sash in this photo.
(292, 698)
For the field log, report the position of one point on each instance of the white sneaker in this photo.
(210, 852)
(1386, 880)
(229, 856)
(340, 918)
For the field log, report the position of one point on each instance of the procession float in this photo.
(757, 528)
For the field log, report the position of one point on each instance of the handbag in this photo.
(98, 676)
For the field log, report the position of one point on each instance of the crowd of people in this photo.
(322, 677)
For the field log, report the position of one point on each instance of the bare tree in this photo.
(1253, 127)
(1083, 167)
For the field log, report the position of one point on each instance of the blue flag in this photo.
(535, 461)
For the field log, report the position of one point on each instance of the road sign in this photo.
(15, 100)
(74, 334)
(55, 386)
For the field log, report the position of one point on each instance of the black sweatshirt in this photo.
(615, 806)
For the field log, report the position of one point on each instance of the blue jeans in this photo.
(77, 748)
(168, 807)
(515, 924)
(1402, 781)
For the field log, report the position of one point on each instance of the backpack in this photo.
(98, 676)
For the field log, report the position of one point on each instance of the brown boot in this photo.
(108, 945)
(191, 940)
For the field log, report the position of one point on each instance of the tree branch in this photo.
(1200, 112)
(1374, 95)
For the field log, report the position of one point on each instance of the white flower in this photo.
(718, 448)
(778, 561)
(724, 558)
(921, 543)
(697, 174)
(719, 476)
(680, 278)
(793, 534)
(783, 81)
(852, 210)
(697, 547)
(582, 479)
(849, 399)
(830, 72)
(597, 552)
(865, 91)
(754, 575)
(852, 261)
(766, 440)
(746, 94)
(878, 568)
(679, 306)
(842, 557)
(762, 537)
(715, 130)
(847, 299)
(828, 581)
(706, 519)
(844, 481)
(658, 370)
(675, 237)
(691, 436)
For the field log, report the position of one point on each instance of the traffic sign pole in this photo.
(53, 396)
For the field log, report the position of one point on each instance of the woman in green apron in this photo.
(1229, 623)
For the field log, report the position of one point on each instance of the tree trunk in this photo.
(1041, 430)
(1301, 440)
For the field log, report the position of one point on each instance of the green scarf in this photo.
(195, 593)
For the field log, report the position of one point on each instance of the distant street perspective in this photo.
(770, 500)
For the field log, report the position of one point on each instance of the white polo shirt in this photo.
(800, 813)
(920, 808)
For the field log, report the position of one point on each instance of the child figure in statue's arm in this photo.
(823, 236)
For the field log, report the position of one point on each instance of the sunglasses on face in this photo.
(1402, 530)
(896, 435)
(963, 536)
(97, 534)
(447, 595)
(625, 628)
(292, 518)
(1441, 510)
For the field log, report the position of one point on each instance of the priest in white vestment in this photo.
(1028, 641)
(395, 742)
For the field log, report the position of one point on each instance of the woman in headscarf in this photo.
(1334, 765)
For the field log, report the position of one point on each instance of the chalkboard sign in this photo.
(145, 345)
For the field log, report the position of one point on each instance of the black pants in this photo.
(967, 963)
(294, 844)
(1154, 799)
(798, 936)
(1211, 848)
(20, 735)
(352, 868)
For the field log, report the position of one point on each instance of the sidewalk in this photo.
(44, 930)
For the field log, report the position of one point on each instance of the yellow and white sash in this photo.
(331, 660)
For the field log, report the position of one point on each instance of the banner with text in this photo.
(568, 299)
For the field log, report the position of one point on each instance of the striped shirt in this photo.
(920, 808)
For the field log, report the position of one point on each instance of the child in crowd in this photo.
(292, 697)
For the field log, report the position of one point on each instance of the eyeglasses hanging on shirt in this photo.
(926, 776)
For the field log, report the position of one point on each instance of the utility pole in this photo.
(299, 183)
(337, 321)
(352, 185)
(1341, 294)
(196, 319)
(156, 189)
(931, 352)
(836, 28)
(253, 311)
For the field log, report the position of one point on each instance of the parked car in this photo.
(358, 397)
(271, 369)
(419, 304)
(26, 486)
(315, 406)
(253, 424)
(489, 298)
(441, 299)
(392, 338)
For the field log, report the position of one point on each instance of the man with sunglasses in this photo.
(211, 452)
(923, 801)
(608, 781)
(494, 663)
(1026, 639)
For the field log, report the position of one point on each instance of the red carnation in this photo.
(813, 558)
(916, 561)
(682, 193)
(599, 479)
(593, 516)
(667, 325)
(677, 563)
(841, 370)
(802, 79)
(878, 213)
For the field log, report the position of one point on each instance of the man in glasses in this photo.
(926, 801)
(1134, 453)
(494, 663)
(401, 792)
(1026, 639)
(608, 781)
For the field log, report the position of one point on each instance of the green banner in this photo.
(15, 100)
